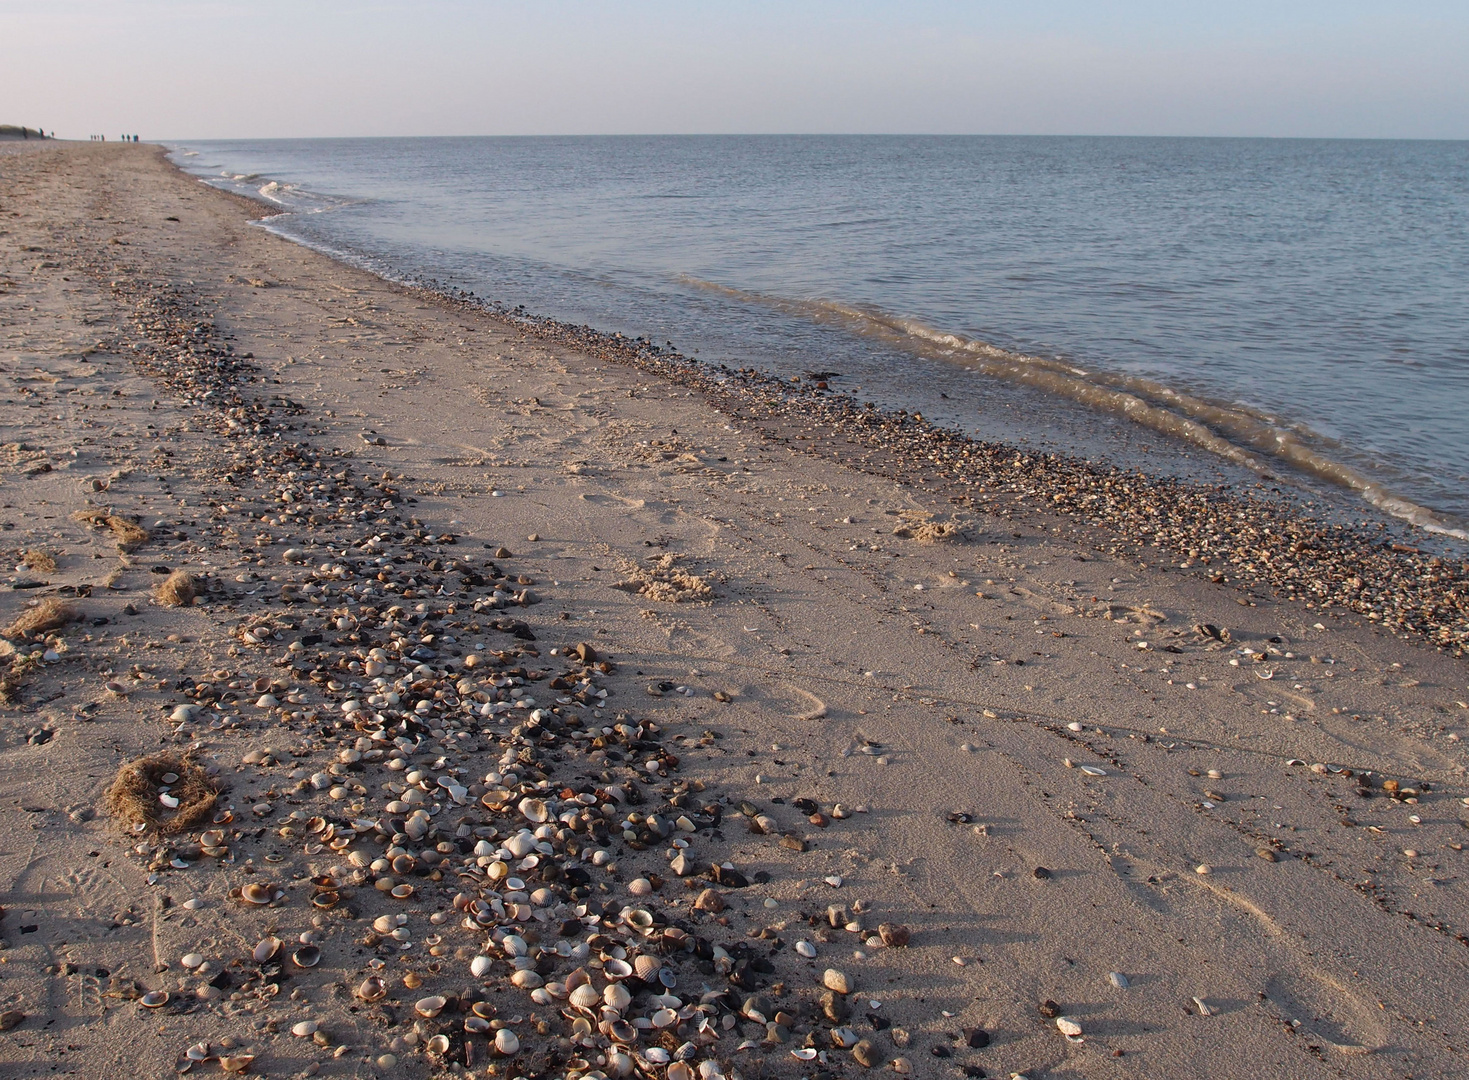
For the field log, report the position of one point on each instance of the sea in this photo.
(1287, 314)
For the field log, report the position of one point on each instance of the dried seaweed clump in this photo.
(43, 562)
(126, 531)
(663, 580)
(179, 589)
(140, 797)
(50, 614)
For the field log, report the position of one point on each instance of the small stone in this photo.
(834, 1007)
(894, 935)
(387, 1061)
(866, 1053)
(1119, 980)
(1069, 1026)
(1203, 868)
(1040, 873)
(836, 981)
(1049, 1009)
(11, 1019)
(710, 900)
(1266, 854)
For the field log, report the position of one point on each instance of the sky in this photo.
(198, 69)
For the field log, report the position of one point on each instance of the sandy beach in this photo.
(382, 672)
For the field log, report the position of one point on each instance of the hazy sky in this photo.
(219, 68)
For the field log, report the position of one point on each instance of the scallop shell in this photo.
(664, 1018)
(438, 1045)
(507, 1042)
(617, 997)
(155, 999)
(640, 887)
(528, 979)
(257, 892)
(481, 966)
(646, 967)
(430, 1007)
(639, 918)
(579, 977)
(476, 1025)
(483, 1009)
(326, 899)
(584, 996)
(372, 989)
(385, 924)
(267, 948)
(307, 956)
(401, 892)
(680, 1070)
(617, 969)
(304, 1028)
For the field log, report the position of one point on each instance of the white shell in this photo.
(806, 949)
(430, 1006)
(480, 966)
(617, 996)
(585, 996)
(304, 1028)
(1068, 1026)
(506, 1041)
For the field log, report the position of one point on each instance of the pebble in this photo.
(836, 981)
(1119, 980)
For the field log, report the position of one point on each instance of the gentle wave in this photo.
(1233, 432)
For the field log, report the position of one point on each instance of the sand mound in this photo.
(926, 529)
(662, 579)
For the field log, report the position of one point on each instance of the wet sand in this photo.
(1059, 754)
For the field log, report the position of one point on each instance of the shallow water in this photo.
(1220, 307)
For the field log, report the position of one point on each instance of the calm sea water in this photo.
(1218, 307)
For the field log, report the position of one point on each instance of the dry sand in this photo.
(1052, 776)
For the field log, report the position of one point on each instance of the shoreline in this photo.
(965, 726)
(1334, 568)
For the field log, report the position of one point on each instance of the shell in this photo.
(385, 924)
(430, 1007)
(307, 956)
(584, 996)
(326, 899)
(640, 887)
(236, 1063)
(401, 892)
(372, 988)
(639, 918)
(476, 1025)
(438, 1045)
(480, 966)
(617, 969)
(623, 1032)
(483, 1009)
(506, 1041)
(304, 1028)
(806, 949)
(155, 999)
(535, 810)
(646, 967)
(258, 892)
(527, 979)
(1069, 1026)
(617, 997)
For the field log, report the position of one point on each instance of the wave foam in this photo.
(1234, 432)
